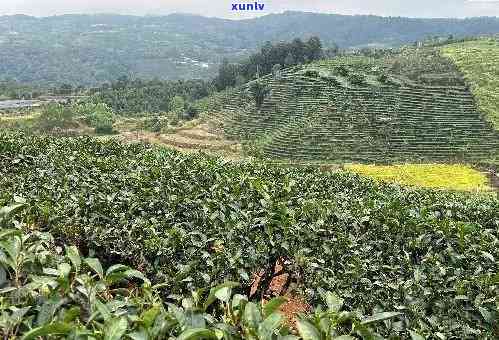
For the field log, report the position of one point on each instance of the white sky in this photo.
(222, 8)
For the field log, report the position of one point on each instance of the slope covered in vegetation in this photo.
(92, 49)
(479, 61)
(50, 293)
(193, 221)
(408, 106)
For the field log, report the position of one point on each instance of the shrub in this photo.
(311, 74)
(341, 70)
(383, 78)
(102, 119)
(157, 123)
(190, 111)
(55, 116)
(356, 79)
(193, 221)
(51, 293)
(99, 116)
(177, 104)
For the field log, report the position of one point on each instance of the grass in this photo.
(479, 62)
(22, 122)
(440, 176)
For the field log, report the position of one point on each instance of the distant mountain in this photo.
(90, 49)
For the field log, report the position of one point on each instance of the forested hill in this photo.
(91, 49)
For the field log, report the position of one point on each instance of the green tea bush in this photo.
(341, 70)
(356, 78)
(50, 291)
(429, 255)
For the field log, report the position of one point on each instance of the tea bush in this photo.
(47, 291)
(191, 221)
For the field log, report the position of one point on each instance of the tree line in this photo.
(126, 96)
(270, 58)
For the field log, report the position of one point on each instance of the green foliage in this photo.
(55, 116)
(134, 97)
(190, 221)
(424, 65)
(341, 70)
(46, 291)
(91, 49)
(383, 78)
(356, 79)
(157, 123)
(264, 62)
(191, 111)
(259, 90)
(177, 105)
(227, 75)
(15, 90)
(409, 105)
(103, 122)
(99, 116)
(254, 147)
(479, 61)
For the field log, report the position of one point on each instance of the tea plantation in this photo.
(411, 106)
(479, 61)
(426, 260)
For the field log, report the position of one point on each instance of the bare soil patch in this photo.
(279, 285)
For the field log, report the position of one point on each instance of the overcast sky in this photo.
(222, 8)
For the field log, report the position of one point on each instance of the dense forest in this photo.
(271, 58)
(127, 96)
(93, 49)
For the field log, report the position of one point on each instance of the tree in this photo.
(54, 116)
(227, 75)
(99, 116)
(103, 119)
(298, 49)
(190, 111)
(290, 60)
(177, 104)
(276, 71)
(65, 89)
(259, 90)
(314, 49)
(332, 51)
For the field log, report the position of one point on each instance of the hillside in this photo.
(91, 49)
(425, 258)
(479, 61)
(412, 106)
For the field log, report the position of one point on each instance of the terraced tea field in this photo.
(323, 112)
(479, 61)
